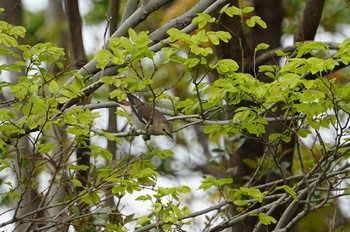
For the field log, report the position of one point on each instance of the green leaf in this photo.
(261, 46)
(146, 173)
(304, 133)
(90, 198)
(212, 182)
(78, 167)
(198, 50)
(70, 118)
(256, 20)
(318, 65)
(146, 197)
(289, 81)
(199, 37)
(46, 147)
(103, 57)
(118, 189)
(178, 59)
(241, 203)
(202, 19)
(254, 193)
(269, 70)
(62, 100)
(213, 38)
(231, 11)
(310, 95)
(184, 189)
(248, 9)
(162, 153)
(288, 190)
(310, 46)
(251, 163)
(188, 106)
(192, 62)
(168, 53)
(266, 219)
(223, 35)
(53, 87)
(132, 35)
(226, 66)
(111, 137)
(104, 153)
(118, 94)
(224, 8)
(224, 181)
(6, 114)
(67, 93)
(216, 36)
(281, 53)
(175, 34)
(278, 136)
(207, 183)
(8, 41)
(157, 207)
(76, 183)
(143, 220)
(170, 219)
(123, 42)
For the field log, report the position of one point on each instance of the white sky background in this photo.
(94, 36)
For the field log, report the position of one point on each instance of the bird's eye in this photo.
(163, 129)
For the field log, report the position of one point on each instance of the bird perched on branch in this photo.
(146, 117)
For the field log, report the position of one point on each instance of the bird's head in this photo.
(163, 127)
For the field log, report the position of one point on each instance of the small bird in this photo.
(146, 117)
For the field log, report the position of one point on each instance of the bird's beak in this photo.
(170, 135)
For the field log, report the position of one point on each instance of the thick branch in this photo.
(76, 36)
(130, 8)
(310, 20)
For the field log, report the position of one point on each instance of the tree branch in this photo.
(130, 8)
(310, 20)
